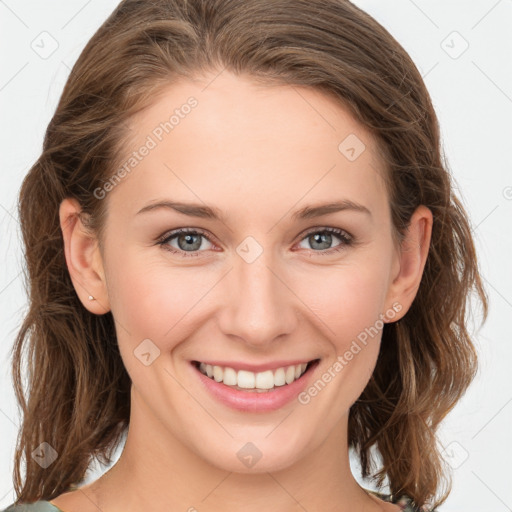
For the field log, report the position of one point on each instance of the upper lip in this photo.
(238, 365)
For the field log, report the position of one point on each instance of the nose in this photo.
(260, 306)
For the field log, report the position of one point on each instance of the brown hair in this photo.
(78, 389)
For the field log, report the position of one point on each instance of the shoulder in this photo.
(404, 502)
(37, 506)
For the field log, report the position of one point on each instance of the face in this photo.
(261, 279)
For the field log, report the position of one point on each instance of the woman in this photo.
(245, 253)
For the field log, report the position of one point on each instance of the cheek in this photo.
(347, 305)
(348, 299)
(155, 301)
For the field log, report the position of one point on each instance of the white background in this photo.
(472, 95)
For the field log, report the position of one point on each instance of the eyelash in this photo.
(346, 238)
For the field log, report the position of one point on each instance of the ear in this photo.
(409, 262)
(83, 258)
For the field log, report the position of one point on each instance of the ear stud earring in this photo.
(91, 297)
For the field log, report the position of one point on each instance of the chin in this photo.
(253, 454)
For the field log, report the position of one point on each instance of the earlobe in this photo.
(83, 258)
(412, 256)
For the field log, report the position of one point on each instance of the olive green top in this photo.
(38, 506)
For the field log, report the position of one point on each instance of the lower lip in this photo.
(254, 401)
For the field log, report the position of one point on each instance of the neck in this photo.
(155, 467)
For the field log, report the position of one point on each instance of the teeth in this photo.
(261, 381)
(229, 377)
(290, 374)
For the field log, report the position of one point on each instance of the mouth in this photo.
(265, 381)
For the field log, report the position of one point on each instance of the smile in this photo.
(258, 381)
(266, 390)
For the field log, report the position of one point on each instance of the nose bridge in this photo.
(260, 306)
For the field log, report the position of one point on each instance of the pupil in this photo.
(326, 237)
(189, 242)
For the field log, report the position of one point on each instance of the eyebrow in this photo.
(207, 212)
(312, 211)
(191, 209)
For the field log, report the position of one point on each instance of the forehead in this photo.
(233, 143)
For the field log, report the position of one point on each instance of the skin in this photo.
(258, 154)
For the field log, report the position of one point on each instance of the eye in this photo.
(322, 239)
(187, 240)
